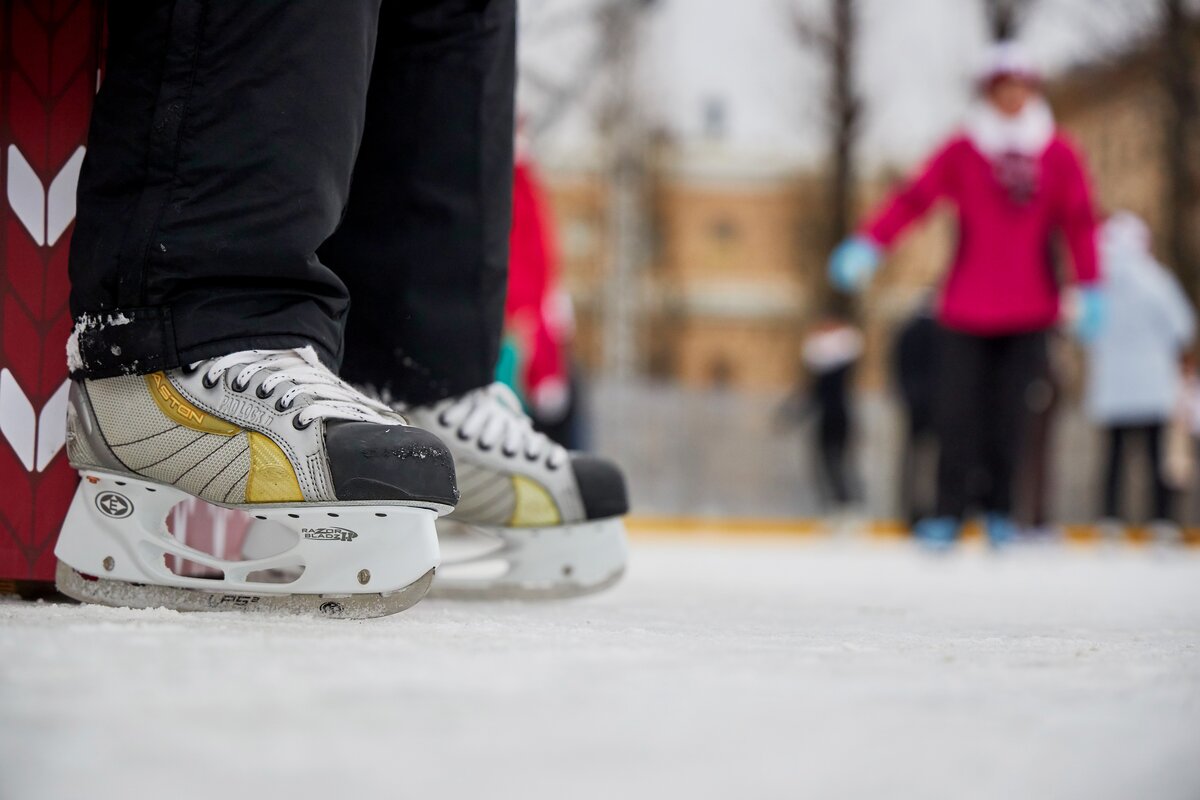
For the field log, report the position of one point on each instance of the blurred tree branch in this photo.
(1180, 75)
(834, 38)
(1004, 17)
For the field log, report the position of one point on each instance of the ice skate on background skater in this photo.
(534, 520)
(348, 492)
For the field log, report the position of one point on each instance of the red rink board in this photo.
(49, 57)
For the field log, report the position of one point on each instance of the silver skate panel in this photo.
(121, 594)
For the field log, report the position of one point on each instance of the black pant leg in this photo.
(1113, 471)
(960, 418)
(221, 148)
(424, 244)
(1161, 494)
(1017, 362)
(834, 465)
(908, 473)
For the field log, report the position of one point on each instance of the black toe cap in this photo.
(389, 463)
(601, 485)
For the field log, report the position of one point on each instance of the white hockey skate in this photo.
(343, 492)
(534, 521)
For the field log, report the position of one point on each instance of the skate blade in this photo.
(332, 560)
(121, 594)
(469, 590)
(530, 564)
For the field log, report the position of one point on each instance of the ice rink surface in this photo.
(755, 668)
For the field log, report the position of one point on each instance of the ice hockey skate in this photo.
(340, 494)
(535, 521)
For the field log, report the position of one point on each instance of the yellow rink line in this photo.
(645, 526)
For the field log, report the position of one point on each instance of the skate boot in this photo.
(342, 493)
(534, 521)
(1000, 530)
(937, 534)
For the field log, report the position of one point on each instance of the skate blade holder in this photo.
(484, 563)
(116, 530)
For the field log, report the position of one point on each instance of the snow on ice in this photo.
(757, 668)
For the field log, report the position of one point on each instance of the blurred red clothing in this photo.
(530, 312)
(1002, 279)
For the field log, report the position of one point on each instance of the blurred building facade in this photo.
(734, 268)
(722, 288)
(733, 265)
(1115, 110)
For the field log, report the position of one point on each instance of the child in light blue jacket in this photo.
(1135, 374)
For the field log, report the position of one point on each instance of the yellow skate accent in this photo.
(175, 407)
(534, 507)
(272, 478)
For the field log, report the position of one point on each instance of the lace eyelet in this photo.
(239, 389)
(462, 437)
(487, 448)
(531, 458)
(209, 384)
(553, 466)
(300, 426)
(509, 453)
(261, 395)
(188, 369)
(280, 407)
(445, 423)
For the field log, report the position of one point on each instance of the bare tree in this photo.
(835, 40)
(609, 72)
(1180, 76)
(1004, 17)
(622, 126)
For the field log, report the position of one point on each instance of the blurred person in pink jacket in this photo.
(1016, 183)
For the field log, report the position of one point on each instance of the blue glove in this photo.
(852, 263)
(1090, 313)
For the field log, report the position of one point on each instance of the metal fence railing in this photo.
(723, 453)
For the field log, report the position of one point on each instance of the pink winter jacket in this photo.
(1002, 277)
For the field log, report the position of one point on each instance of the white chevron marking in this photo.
(17, 420)
(36, 437)
(60, 200)
(52, 426)
(45, 215)
(26, 195)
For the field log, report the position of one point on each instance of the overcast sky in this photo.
(916, 60)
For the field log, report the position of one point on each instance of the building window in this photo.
(723, 230)
(721, 373)
(579, 238)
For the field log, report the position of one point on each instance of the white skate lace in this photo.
(331, 397)
(493, 416)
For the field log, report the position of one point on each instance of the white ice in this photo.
(753, 668)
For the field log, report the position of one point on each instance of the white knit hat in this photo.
(1007, 60)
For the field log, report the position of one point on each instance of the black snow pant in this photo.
(982, 410)
(831, 396)
(1119, 438)
(917, 459)
(252, 167)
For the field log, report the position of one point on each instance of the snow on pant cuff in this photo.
(138, 341)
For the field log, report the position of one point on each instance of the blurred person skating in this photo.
(539, 318)
(1135, 380)
(1015, 183)
(1035, 482)
(914, 369)
(1190, 415)
(830, 353)
(534, 519)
